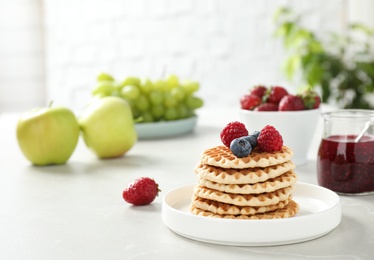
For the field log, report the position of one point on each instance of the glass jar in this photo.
(345, 162)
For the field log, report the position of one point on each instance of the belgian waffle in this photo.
(241, 176)
(229, 209)
(221, 156)
(290, 210)
(263, 199)
(282, 181)
(258, 186)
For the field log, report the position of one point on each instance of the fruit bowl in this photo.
(165, 129)
(296, 127)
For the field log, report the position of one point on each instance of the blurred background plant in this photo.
(341, 67)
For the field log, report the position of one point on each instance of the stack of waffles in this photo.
(258, 186)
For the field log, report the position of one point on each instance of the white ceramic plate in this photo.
(165, 128)
(320, 213)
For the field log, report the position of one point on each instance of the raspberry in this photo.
(291, 103)
(249, 102)
(232, 131)
(269, 139)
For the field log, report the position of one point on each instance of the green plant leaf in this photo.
(280, 12)
(284, 30)
(292, 64)
(343, 67)
(363, 28)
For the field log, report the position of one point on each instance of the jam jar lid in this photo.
(349, 114)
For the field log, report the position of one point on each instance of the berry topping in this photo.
(275, 94)
(249, 102)
(141, 192)
(256, 134)
(232, 131)
(241, 147)
(252, 139)
(267, 107)
(269, 139)
(291, 103)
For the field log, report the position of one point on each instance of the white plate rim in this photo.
(166, 128)
(302, 227)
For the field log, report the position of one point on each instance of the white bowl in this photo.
(165, 129)
(296, 127)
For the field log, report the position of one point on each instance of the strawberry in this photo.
(258, 90)
(311, 99)
(142, 191)
(249, 102)
(291, 103)
(267, 107)
(275, 94)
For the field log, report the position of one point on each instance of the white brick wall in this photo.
(227, 45)
(21, 55)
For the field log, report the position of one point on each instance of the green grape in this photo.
(156, 97)
(130, 92)
(157, 111)
(104, 77)
(172, 81)
(130, 81)
(170, 114)
(178, 93)
(152, 100)
(169, 101)
(190, 112)
(182, 110)
(142, 103)
(146, 117)
(193, 102)
(99, 96)
(190, 86)
(116, 93)
(104, 88)
(145, 86)
(160, 85)
(134, 110)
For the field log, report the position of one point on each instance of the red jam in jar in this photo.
(345, 160)
(346, 166)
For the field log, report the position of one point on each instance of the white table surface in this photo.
(76, 211)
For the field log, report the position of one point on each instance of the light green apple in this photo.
(48, 135)
(108, 127)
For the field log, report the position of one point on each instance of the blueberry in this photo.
(256, 134)
(240, 147)
(252, 140)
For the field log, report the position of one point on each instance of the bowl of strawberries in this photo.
(295, 116)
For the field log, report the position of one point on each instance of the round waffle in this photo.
(263, 199)
(290, 210)
(285, 180)
(221, 156)
(229, 209)
(241, 176)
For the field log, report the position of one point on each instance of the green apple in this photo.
(48, 135)
(108, 127)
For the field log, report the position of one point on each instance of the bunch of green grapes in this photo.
(152, 101)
